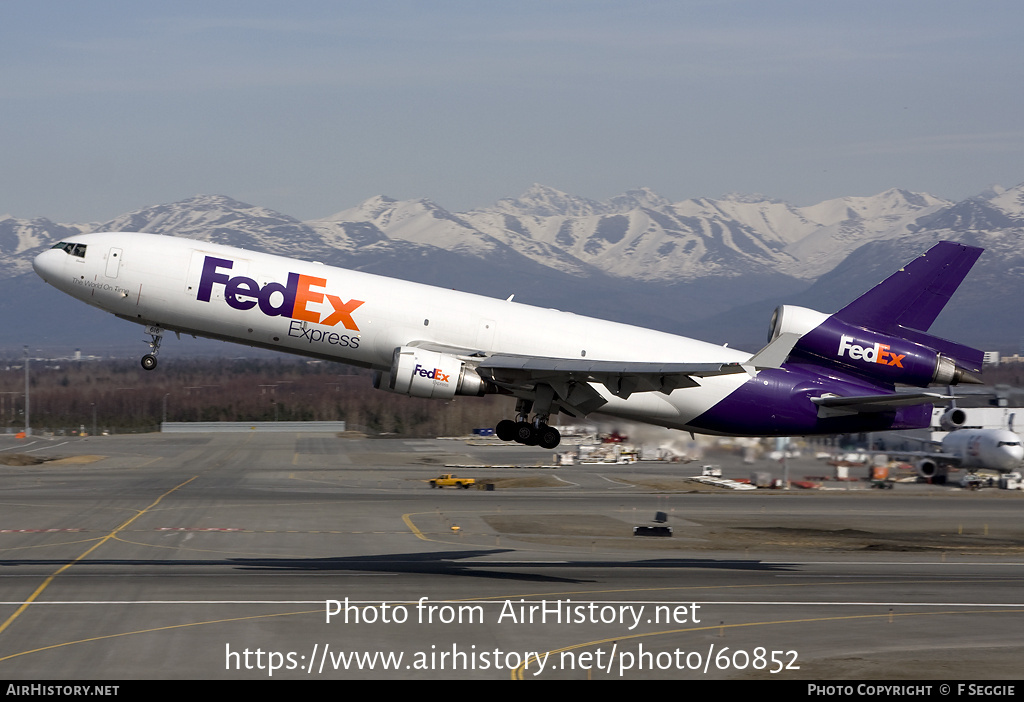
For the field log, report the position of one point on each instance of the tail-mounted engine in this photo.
(422, 373)
(892, 359)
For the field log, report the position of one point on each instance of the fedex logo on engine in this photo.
(244, 293)
(879, 353)
(435, 374)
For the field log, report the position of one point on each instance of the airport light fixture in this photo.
(28, 425)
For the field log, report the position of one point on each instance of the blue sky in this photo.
(311, 107)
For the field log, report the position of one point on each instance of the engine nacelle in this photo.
(421, 373)
(931, 471)
(794, 320)
(953, 418)
(826, 340)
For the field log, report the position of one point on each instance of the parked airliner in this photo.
(819, 373)
(1000, 450)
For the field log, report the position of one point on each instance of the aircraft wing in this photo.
(570, 378)
(946, 458)
(615, 375)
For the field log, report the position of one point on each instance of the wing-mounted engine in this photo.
(422, 373)
(930, 471)
(828, 340)
(952, 419)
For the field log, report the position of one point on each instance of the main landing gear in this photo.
(149, 360)
(523, 431)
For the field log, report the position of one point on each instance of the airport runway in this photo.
(223, 555)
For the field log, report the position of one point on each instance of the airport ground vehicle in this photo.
(452, 480)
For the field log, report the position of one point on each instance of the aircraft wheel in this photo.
(548, 437)
(149, 361)
(526, 434)
(506, 430)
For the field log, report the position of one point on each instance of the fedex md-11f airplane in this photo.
(819, 373)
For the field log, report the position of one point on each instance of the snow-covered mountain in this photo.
(22, 239)
(985, 311)
(637, 257)
(223, 220)
(638, 235)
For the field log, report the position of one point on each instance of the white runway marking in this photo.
(717, 603)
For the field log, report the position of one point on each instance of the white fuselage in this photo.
(357, 318)
(992, 449)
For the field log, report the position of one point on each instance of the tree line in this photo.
(119, 396)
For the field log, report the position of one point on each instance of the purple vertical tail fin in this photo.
(906, 303)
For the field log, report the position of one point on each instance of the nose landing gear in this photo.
(157, 334)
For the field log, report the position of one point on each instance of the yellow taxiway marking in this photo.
(407, 518)
(159, 628)
(518, 672)
(124, 525)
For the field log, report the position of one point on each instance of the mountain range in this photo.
(709, 268)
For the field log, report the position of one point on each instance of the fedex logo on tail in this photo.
(879, 353)
(243, 293)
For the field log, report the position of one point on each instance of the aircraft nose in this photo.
(1011, 455)
(47, 264)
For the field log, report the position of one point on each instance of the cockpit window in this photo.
(71, 248)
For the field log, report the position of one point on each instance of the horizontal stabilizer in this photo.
(832, 405)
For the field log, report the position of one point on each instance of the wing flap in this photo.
(622, 378)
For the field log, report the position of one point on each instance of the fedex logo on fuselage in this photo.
(879, 353)
(435, 374)
(244, 293)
